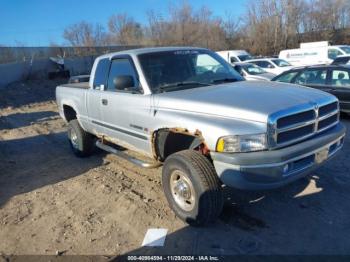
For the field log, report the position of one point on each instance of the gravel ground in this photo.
(54, 203)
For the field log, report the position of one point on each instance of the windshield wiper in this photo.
(180, 85)
(224, 80)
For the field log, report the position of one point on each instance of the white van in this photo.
(235, 56)
(314, 53)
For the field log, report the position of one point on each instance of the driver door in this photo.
(125, 111)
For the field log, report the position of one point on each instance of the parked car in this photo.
(234, 56)
(272, 65)
(341, 60)
(334, 79)
(314, 53)
(252, 72)
(204, 124)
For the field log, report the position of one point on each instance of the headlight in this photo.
(243, 143)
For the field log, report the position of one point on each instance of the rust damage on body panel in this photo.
(166, 141)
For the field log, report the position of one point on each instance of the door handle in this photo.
(104, 102)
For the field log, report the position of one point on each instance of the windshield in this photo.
(252, 69)
(174, 70)
(280, 62)
(244, 57)
(346, 49)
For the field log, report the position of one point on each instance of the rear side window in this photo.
(340, 78)
(286, 78)
(312, 77)
(121, 67)
(101, 73)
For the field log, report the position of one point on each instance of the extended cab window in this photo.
(312, 77)
(121, 67)
(101, 73)
(286, 78)
(340, 78)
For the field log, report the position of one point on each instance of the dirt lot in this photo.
(52, 201)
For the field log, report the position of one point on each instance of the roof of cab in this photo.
(149, 50)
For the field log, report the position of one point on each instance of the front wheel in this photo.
(192, 187)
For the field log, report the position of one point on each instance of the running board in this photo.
(131, 159)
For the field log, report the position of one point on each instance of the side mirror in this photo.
(123, 82)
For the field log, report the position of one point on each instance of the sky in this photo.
(41, 22)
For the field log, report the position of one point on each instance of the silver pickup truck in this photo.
(190, 111)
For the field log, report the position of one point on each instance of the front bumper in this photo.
(272, 169)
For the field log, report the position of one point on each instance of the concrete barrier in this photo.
(39, 69)
(12, 72)
(34, 62)
(79, 65)
(21, 54)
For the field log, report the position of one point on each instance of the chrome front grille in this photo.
(326, 109)
(296, 119)
(290, 135)
(324, 124)
(299, 123)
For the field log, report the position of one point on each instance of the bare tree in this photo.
(85, 34)
(156, 31)
(266, 27)
(232, 28)
(124, 30)
(186, 26)
(295, 10)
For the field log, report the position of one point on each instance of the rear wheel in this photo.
(192, 187)
(81, 142)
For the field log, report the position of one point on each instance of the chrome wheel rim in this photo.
(182, 190)
(74, 139)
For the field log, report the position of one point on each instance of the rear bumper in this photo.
(273, 169)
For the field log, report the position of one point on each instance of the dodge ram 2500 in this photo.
(190, 111)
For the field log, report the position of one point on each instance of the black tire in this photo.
(84, 143)
(208, 200)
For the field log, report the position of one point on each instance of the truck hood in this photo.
(248, 100)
